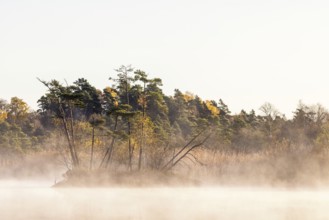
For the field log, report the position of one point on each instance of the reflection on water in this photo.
(161, 203)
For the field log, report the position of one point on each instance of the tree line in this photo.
(132, 124)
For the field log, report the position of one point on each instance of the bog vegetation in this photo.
(131, 125)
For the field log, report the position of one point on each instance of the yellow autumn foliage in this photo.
(111, 92)
(3, 115)
(17, 109)
(213, 109)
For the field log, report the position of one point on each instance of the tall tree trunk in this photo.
(73, 135)
(141, 149)
(68, 137)
(92, 148)
(130, 150)
(142, 135)
(112, 143)
(109, 152)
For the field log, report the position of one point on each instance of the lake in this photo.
(36, 200)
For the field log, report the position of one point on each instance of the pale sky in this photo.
(246, 52)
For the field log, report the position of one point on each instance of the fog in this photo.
(37, 200)
(242, 191)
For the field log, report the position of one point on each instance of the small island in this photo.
(132, 134)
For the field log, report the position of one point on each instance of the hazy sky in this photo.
(243, 51)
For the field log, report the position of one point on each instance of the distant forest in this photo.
(133, 125)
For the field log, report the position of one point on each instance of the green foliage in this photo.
(135, 110)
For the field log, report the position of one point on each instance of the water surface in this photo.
(26, 200)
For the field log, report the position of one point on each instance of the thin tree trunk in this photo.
(183, 148)
(130, 150)
(92, 148)
(188, 151)
(108, 154)
(141, 149)
(67, 134)
(112, 144)
(73, 135)
(142, 136)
